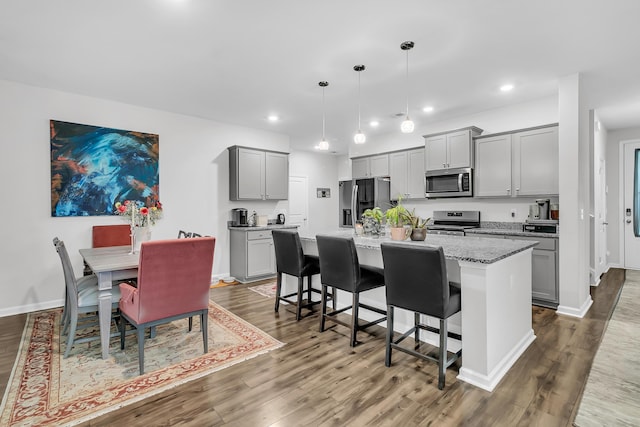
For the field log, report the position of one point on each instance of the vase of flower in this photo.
(139, 235)
(140, 218)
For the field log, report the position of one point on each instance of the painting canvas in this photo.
(94, 167)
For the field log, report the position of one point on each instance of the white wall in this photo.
(193, 185)
(321, 171)
(575, 298)
(614, 194)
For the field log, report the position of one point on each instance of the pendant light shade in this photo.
(323, 144)
(407, 125)
(359, 137)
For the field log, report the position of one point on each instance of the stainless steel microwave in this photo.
(456, 182)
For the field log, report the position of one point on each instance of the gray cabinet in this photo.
(370, 166)
(406, 171)
(519, 163)
(544, 267)
(257, 174)
(252, 255)
(450, 149)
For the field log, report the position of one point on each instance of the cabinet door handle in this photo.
(508, 191)
(444, 165)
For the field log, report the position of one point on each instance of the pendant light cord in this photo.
(407, 82)
(359, 127)
(323, 114)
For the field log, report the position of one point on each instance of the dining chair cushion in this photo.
(88, 296)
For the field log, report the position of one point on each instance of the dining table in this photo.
(109, 264)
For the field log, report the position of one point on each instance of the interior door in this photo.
(298, 202)
(631, 207)
(600, 205)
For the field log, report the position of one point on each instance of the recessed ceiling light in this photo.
(428, 109)
(374, 123)
(273, 118)
(506, 88)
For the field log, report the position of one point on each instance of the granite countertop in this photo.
(460, 248)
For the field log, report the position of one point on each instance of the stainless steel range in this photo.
(453, 222)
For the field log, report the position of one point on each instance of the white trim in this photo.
(490, 381)
(28, 308)
(570, 311)
(621, 196)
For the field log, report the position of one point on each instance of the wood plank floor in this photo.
(318, 380)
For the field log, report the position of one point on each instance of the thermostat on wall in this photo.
(323, 192)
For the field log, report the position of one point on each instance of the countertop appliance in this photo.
(239, 217)
(454, 182)
(453, 222)
(543, 208)
(358, 195)
(280, 219)
(541, 226)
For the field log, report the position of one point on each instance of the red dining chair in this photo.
(111, 235)
(173, 283)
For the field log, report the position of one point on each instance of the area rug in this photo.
(266, 290)
(612, 394)
(222, 284)
(46, 389)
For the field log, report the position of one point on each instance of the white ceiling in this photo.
(239, 61)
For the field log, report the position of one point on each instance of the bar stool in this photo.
(291, 260)
(416, 280)
(339, 268)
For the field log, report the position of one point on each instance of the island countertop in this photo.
(460, 248)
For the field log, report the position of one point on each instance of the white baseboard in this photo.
(570, 311)
(28, 308)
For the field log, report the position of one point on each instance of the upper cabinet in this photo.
(450, 149)
(406, 171)
(518, 163)
(258, 174)
(370, 166)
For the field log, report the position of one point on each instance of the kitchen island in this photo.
(495, 320)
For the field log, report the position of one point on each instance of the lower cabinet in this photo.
(544, 265)
(544, 268)
(252, 255)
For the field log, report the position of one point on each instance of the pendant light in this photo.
(323, 144)
(407, 125)
(359, 138)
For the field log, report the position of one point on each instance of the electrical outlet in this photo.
(513, 213)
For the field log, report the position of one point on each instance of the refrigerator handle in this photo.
(354, 202)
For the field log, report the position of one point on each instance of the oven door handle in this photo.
(460, 182)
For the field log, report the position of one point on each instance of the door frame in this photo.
(621, 192)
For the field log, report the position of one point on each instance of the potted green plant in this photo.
(418, 226)
(371, 220)
(397, 217)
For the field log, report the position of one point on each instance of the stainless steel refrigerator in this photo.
(358, 195)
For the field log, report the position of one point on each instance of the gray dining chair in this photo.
(80, 299)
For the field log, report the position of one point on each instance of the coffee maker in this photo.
(543, 208)
(239, 217)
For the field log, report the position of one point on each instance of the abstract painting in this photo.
(94, 167)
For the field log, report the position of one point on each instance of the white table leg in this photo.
(104, 310)
(496, 317)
